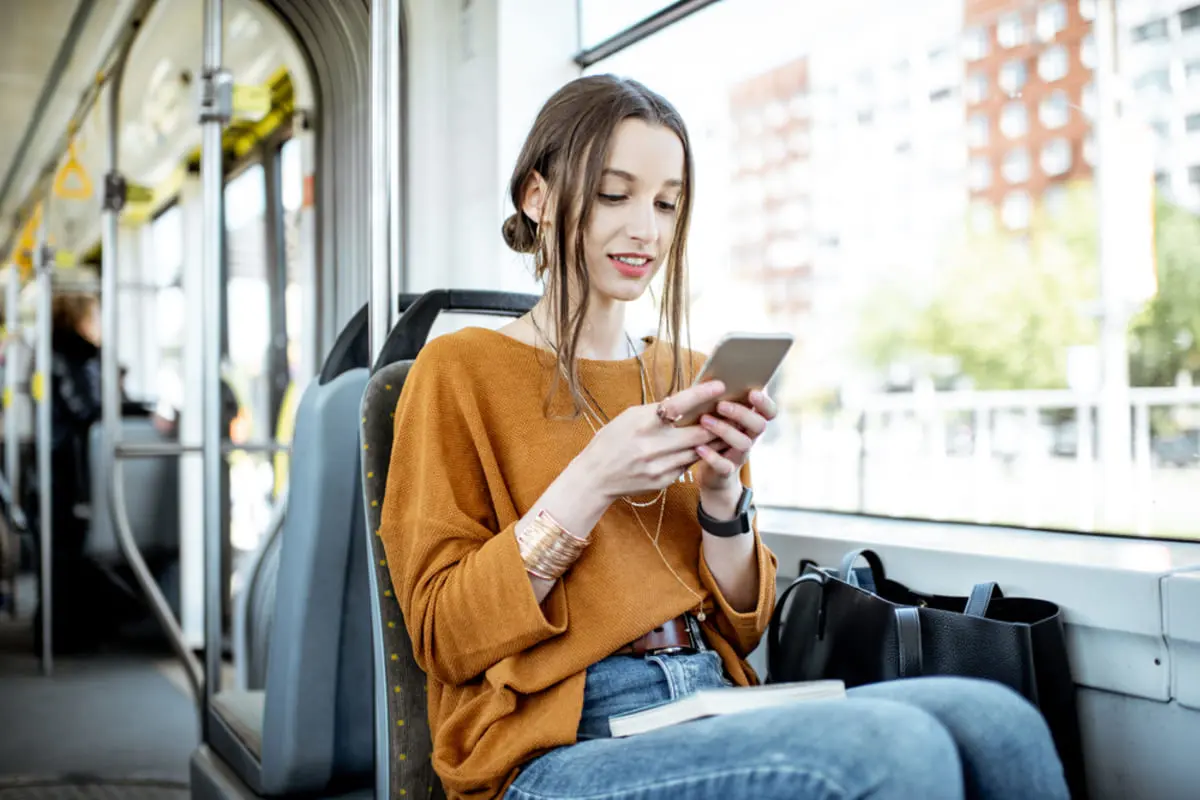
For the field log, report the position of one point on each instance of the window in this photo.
(1087, 51)
(1054, 199)
(1191, 123)
(601, 19)
(1087, 9)
(1055, 110)
(976, 89)
(1056, 157)
(1012, 77)
(1051, 18)
(1161, 129)
(936, 220)
(1087, 100)
(1015, 210)
(978, 130)
(1191, 71)
(979, 174)
(1150, 31)
(1157, 80)
(1016, 165)
(976, 44)
(1010, 30)
(1052, 63)
(1194, 175)
(1189, 18)
(1014, 120)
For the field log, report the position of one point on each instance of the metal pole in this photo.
(12, 447)
(45, 491)
(214, 114)
(381, 182)
(395, 165)
(1115, 425)
(114, 201)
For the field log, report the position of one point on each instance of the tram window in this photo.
(249, 334)
(600, 19)
(166, 248)
(291, 174)
(997, 324)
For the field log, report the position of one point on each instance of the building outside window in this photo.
(1055, 110)
(1051, 19)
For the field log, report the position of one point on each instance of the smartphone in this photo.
(743, 362)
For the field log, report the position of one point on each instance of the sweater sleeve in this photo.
(744, 629)
(458, 575)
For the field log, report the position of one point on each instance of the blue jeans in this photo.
(927, 738)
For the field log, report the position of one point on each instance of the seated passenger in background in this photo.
(549, 532)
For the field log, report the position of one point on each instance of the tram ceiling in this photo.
(50, 53)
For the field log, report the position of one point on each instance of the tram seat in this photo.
(151, 495)
(403, 743)
(309, 731)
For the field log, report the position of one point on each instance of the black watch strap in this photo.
(741, 522)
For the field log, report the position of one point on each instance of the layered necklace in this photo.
(596, 419)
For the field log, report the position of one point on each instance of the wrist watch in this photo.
(742, 517)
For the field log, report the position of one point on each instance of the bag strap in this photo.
(873, 560)
(908, 637)
(775, 627)
(982, 595)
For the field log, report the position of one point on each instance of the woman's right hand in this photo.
(638, 452)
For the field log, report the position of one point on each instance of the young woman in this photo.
(562, 553)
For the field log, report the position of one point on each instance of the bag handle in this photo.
(775, 627)
(982, 595)
(873, 560)
(908, 641)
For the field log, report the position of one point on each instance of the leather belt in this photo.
(673, 636)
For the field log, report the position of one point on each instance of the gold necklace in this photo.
(662, 493)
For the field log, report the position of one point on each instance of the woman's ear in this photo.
(536, 200)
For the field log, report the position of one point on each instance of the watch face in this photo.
(747, 502)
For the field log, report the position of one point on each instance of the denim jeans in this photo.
(927, 738)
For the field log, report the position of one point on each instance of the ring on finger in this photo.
(665, 418)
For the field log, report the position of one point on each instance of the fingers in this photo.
(724, 464)
(734, 436)
(745, 418)
(679, 404)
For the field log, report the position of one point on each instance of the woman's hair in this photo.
(568, 146)
(69, 311)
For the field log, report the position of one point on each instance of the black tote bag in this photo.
(861, 627)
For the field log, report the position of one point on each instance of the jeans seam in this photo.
(833, 789)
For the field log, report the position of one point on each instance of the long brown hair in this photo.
(568, 146)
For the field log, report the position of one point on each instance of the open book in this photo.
(714, 702)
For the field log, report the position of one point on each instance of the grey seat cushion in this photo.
(243, 712)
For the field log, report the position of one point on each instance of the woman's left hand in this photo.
(737, 427)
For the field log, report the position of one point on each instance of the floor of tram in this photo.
(118, 723)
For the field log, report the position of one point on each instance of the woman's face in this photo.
(634, 215)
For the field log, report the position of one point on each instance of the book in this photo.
(716, 702)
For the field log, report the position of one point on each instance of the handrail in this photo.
(169, 449)
(158, 602)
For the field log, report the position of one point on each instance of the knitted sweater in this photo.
(474, 448)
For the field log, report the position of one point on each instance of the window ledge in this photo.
(1123, 600)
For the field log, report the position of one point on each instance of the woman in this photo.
(562, 553)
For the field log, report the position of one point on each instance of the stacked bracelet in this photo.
(547, 549)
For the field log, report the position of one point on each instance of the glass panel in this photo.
(602, 19)
(911, 253)
(247, 294)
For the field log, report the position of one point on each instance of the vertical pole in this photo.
(12, 447)
(381, 184)
(1114, 423)
(43, 392)
(214, 113)
(114, 197)
(395, 155)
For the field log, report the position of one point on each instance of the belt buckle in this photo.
(695, 641)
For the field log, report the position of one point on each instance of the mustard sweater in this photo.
(473, 450)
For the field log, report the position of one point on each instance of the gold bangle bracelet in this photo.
(547, 548)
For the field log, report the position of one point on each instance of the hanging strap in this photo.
(873, 560)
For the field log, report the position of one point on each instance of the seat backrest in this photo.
(402, 740)
(317, 729)
(402, 745)
(151, 494)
